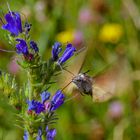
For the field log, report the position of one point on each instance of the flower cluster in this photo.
(46, 106)
(14, 26)
(56, 101)
(68, 53)
(50, 134)
(40, 112)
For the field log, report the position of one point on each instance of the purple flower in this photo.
(50, 133)
(36, 106)
(22, 47)
(57, 100)
(26, 135)
(56, 49)
(13, 25)
(44, 96)
(39, 134)
(69, 52)
(33, 46)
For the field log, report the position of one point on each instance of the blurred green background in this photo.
(110, 32)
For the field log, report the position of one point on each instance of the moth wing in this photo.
(100, 95)
(74, 67)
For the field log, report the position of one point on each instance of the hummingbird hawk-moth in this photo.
(86, 85)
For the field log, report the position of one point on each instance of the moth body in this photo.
(84, 83)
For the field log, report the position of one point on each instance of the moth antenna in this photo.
(66, 86)
(65, 69)
(71, 97)
(7, 51)
(86, 71)
(69, 71)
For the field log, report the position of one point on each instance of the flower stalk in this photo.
(37, 105)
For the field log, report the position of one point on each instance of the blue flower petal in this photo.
(56, 49)
(22, 47)
(39, 136)
(44, 96)
(50, 133)
(26, 135)
(68, 53)
(33, 45)
(35, 106)
(57, 100)
(13, 25)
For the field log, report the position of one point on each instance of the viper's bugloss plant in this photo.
(36, 105)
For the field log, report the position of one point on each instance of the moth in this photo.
(86, 85)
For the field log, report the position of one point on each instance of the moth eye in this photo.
(78, 80)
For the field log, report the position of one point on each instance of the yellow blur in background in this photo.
(65, 36)
(111, 32)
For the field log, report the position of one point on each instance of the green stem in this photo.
(30, 137)
(30, 87)
(43, 137)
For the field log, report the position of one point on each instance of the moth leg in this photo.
(82, 93)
